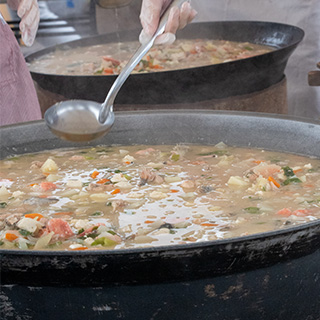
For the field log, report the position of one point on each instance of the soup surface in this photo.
(111, 197)
(108, 59)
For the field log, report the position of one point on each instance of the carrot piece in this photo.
(156, 66)
(33, 184)
(149, 221)
(65, 213)
(38, 216)
(208, 224)
(277, 184)
(80, 248)
(258, 161)
(11, 236)
(102, 181)
(285, 212)
(48, 186)
(173, 190)
(295, 171)
(128, 162)
(108, 71)
(115, 191)
(94, 174)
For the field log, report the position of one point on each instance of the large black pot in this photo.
(274, 275)
(186, 85)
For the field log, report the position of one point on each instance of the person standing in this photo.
(18, 97)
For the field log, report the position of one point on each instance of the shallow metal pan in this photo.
(273, 275)
(186, 85)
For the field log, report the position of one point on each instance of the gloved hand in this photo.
(28, 11)
(151, 11)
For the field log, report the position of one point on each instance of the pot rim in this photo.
(171, 248)
(31, 57)
(250, 114)
(180, 247)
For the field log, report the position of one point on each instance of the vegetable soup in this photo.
(116, 197)
(110, 58)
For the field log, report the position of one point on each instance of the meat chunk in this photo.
(60, 228)
(188, 184)
(266, 170)
(118, 205)
(145, 152)
(100, 187)
(36, 165)
(13, 219)
(147, 175)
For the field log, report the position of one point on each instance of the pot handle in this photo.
(314, 77)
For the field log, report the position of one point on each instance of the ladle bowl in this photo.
(78, 120)
(82, 120)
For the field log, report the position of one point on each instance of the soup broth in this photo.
(117, 197)
(110, 58)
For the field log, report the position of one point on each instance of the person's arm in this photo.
(151, 11)
(28, 11)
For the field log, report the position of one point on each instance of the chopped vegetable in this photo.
(175, 157)
(24, 232)
(291, 180)
(103, 181)
(216, 152)
(94, 174)
(79, 248)
(3, 204)
(252, 210)
(104, 241)
(288, 172)
(97, 213)
(63, 213)
(209, 224)
(115, 191)
(10, 236)
(277, 184)
(36, 216)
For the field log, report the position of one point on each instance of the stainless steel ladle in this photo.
(82, 120)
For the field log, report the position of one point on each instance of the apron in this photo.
(18, 98)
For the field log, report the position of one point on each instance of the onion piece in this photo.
(43, 241)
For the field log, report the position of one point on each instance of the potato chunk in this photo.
(49, 166)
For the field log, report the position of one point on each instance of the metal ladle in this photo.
(82, 120)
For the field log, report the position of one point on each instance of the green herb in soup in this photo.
(110, 58)
(140, 196)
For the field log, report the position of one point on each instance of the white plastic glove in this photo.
(151, 11)
(28, 11)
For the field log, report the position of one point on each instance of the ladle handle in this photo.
(135, 59)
